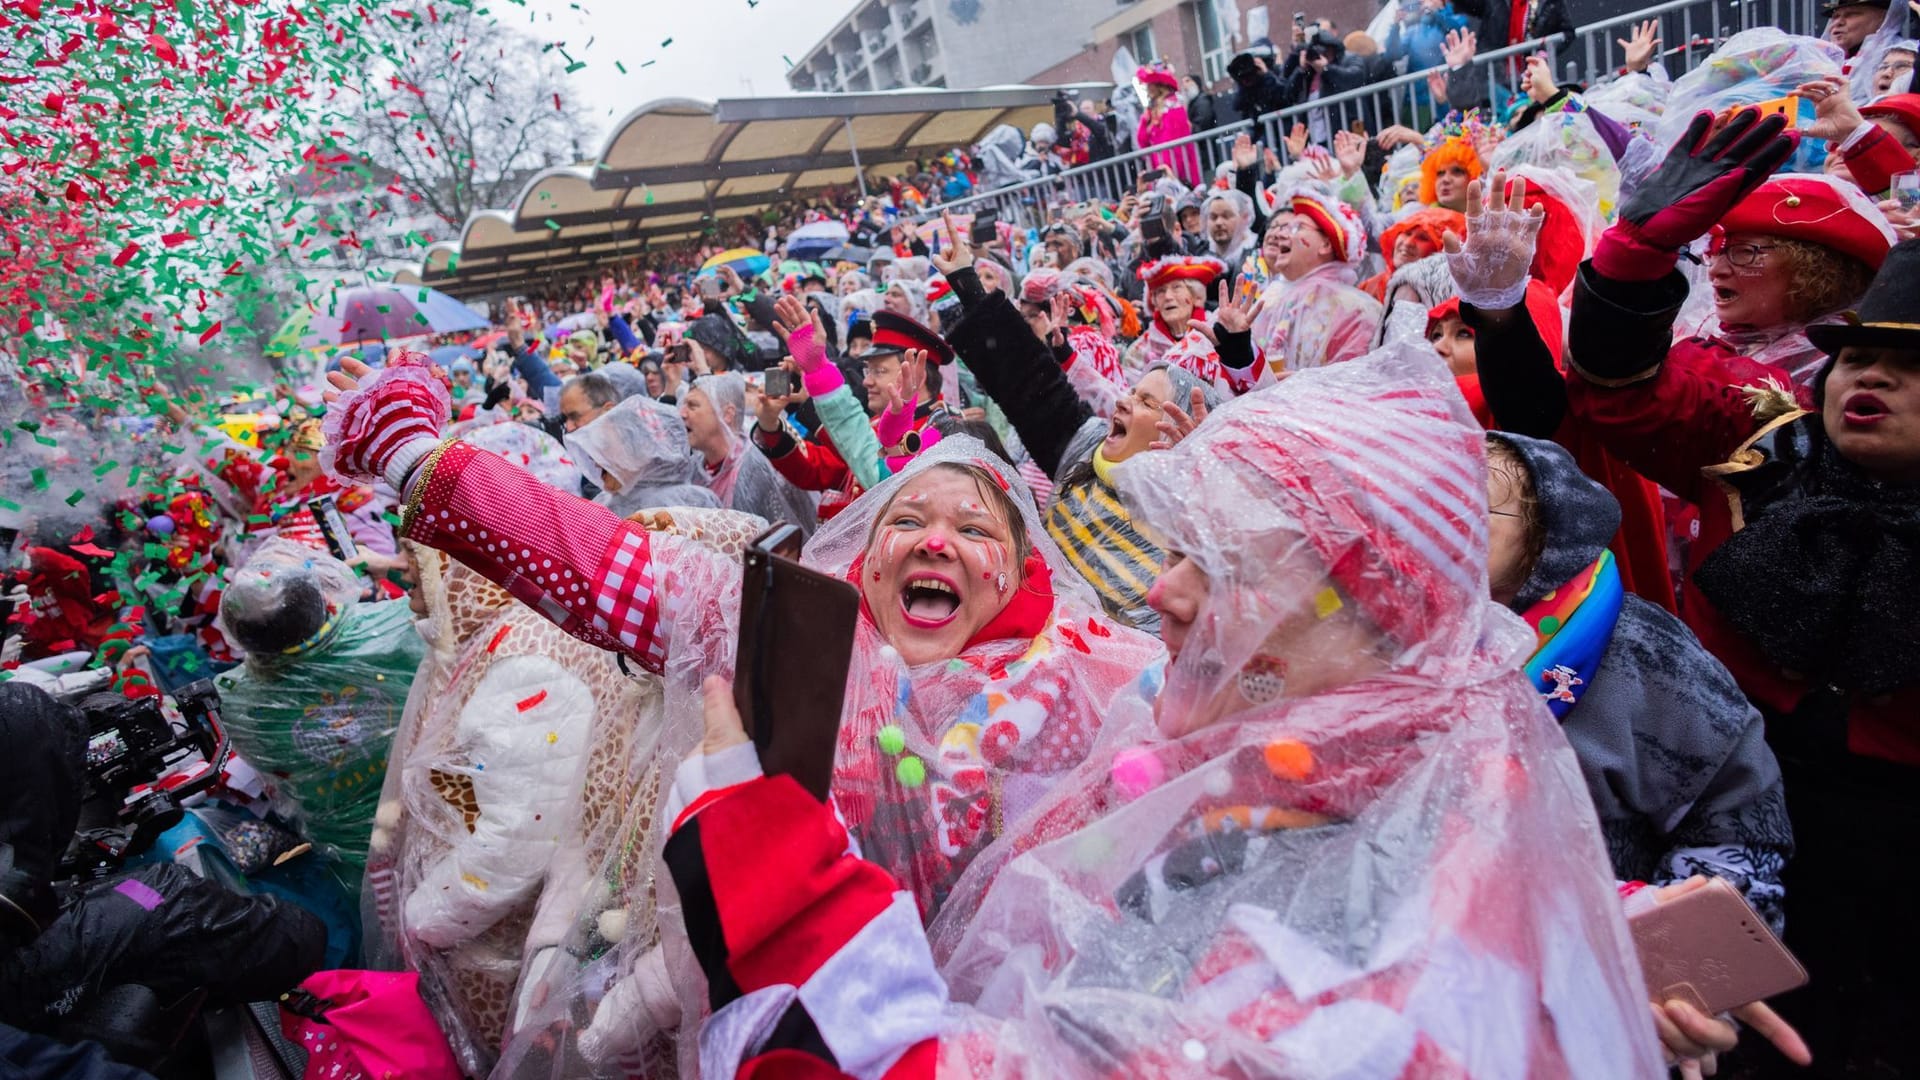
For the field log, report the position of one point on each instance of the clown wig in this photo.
(1456, 150)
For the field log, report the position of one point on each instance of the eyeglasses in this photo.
(1741, 254)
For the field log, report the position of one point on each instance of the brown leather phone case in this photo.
(1709, 949)
(790, 673)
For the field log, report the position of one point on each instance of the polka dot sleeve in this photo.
(571, 560)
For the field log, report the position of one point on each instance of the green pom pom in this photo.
(892, 739)
(911, 772)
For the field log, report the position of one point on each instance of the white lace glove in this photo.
(1492, 269)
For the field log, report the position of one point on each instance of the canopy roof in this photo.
(677, 166)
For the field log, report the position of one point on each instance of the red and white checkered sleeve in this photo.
(571, 560)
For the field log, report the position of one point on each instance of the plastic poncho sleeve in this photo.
(525, 731)
(1017, 370)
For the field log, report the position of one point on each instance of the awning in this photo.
(676, 167)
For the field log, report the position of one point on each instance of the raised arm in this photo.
(1492, 272)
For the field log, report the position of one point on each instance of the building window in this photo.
(1213, 22)
(1139, 42)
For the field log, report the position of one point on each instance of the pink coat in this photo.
(1171, 126)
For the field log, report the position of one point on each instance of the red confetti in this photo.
(207, 334)
(532, 701)
(126, 254)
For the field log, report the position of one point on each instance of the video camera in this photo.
(1157, 225)
(139, 770)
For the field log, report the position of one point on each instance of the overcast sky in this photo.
(720, 48)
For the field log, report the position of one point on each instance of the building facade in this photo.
(961, 44)
(1195, 36)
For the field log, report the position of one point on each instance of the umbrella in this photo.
(445, 355)
(812, 241)
(377, 313)
(745, 261)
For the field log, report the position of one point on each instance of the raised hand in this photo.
(380, 424)
(1835, 116)
(957, 253)
(1235, 314)
(1060, 310)
(1491, 269)
(1297, 140)
(1641, 45)
(1245, 154)
(1703, 177)
(1321, 166)
(1175, 424)
(1399, 135)
(1350, 150)
(1460, 47)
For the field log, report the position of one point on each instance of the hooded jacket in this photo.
(1673, 753)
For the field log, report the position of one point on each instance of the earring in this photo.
(1263, 680)
(1001, 582)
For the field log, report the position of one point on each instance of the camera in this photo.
(1156, 226)
(985, 228)
(779, 382)
(139, 771)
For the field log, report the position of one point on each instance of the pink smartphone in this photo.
(1710, 949)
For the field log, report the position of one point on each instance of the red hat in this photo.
(1336, 221)
(1204, 269)
(1817, 209)
(1902, 107)
(893, 333)
(1158, 74)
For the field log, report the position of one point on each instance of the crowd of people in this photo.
(1311, 616)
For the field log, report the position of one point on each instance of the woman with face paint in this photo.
(1339, 803)
(979, 676)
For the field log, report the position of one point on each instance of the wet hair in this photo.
(272, 630)
(1505, 461)
(1822, 280)
(989, 485)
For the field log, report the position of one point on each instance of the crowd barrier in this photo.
(1689, 31)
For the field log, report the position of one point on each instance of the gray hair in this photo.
(600, 390)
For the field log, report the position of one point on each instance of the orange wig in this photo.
(1457, 150)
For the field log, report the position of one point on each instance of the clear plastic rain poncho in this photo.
(642, 445)
(526, 446)
(318, 714)
(1750, 67)
(513, 765)
(1565, 140)
(746, 479)
(934, 762)
(1351, 842)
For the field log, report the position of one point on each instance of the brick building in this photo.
(1193, 35)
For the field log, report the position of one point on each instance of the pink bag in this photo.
(366, 1025)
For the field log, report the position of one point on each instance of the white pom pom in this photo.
(381, 841)
(388, 815)
(888, 654)
(612, 924)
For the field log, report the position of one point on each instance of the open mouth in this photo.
(929, 601)
(1863, 410)
(1724, 295)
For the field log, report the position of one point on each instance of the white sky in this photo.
(720, 48)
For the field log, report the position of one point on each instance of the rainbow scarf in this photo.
(1574, 624)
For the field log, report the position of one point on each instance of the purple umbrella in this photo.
(386, 312)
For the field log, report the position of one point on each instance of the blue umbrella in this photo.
(386, 312)
(445, 355)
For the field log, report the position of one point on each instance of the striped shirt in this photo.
(1100, 542)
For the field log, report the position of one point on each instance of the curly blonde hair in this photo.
(1823, 280)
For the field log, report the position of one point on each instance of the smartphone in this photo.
(1710, 949)
(986, 226)
(1906, 190)
(779, 382)
(709, 286)
(333, 528)
(790, 671)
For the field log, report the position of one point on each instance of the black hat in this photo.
(1888, 315)
(896, 334)
(1828, 7)
(1241, 66)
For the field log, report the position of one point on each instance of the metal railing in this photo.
(1689, 31)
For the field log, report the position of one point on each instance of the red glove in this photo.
(383, 427)
(1699, 182)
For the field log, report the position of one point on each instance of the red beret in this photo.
(1818, 210)
(1902, 107)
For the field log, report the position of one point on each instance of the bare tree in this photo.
(468, 109)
